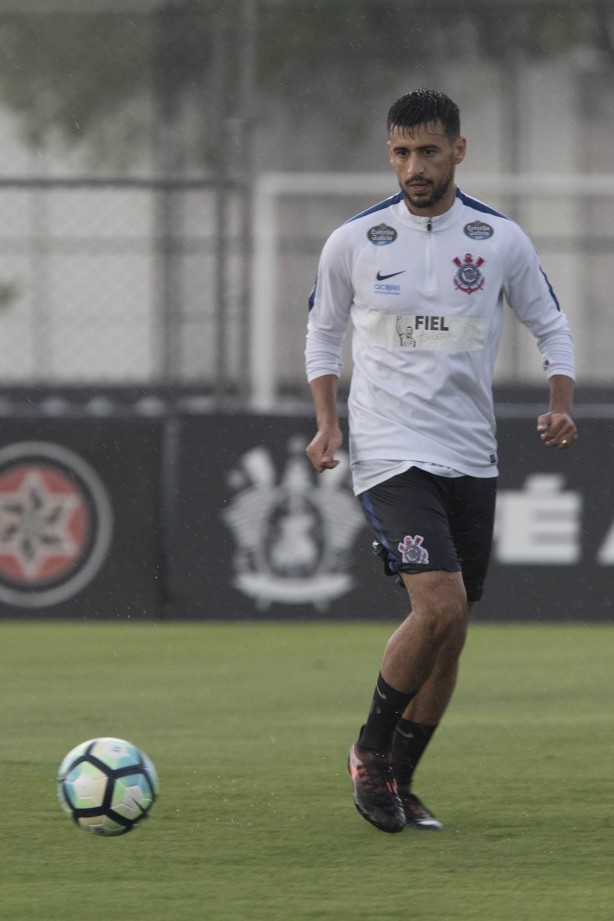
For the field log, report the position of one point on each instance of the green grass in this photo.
(248, 726)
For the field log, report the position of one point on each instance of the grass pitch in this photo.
(248, 726)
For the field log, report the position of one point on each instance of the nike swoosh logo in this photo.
(406, 735)
(381, 277)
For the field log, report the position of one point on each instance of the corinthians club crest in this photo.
(293, 533)
(469, 278)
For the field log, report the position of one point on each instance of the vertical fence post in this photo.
(169, 162)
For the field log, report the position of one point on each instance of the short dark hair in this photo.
(424, 107)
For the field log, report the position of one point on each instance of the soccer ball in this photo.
(107, 785)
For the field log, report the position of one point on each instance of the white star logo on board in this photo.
(35, 526)
(56, 524)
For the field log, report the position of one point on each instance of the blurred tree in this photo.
(80, 74)
(72, 72)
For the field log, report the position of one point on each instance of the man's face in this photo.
(424, 160)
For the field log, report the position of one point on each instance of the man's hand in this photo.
(329, 437)
(557, 430)
(321, 450)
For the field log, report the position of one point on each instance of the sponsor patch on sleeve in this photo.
(478, 230)
(382, 235)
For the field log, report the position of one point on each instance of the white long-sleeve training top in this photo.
(425, 297)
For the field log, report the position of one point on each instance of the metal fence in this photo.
(186, 282)
(134, 281)
(569, 217)
(192, 262)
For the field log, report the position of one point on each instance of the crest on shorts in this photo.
(412, 551)
(468, 277)
(293, 531)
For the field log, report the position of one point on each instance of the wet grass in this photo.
(248, 726)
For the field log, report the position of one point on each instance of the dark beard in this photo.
(437, 193)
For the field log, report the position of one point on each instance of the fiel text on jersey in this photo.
(431, 323)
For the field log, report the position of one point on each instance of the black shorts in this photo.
(425, 522)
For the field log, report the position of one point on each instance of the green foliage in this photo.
(248, 726)
(80, 73)
(72, 72)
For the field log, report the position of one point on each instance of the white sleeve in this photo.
(330, 303)
(322, 354)
(532, 299)
(558, 354)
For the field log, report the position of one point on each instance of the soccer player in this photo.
(432, 260)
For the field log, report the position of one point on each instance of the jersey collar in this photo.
(430, 224)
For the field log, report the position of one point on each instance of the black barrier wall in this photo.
(256, 533)
(182, 512)
(80, 530)
(268, 537)
(553, 556)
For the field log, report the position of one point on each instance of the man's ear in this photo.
(460, 149)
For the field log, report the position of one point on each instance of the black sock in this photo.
(408, 745)
(386, 709)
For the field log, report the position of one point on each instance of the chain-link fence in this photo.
(138, 137)
(119, 282)
(139, 283)
(569, 217)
